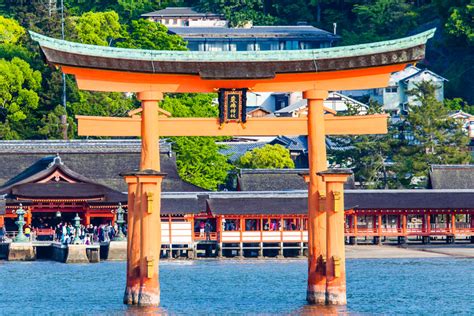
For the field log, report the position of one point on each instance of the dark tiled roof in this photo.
(295, 202)
(255, 108)
(452, 176)
(65, 190)
(41, 169)
(177, 12)
(235, 150)
(3, 204)
(292, 143)
(258, 204)
(76, 146)
(409, 199)
(287, 110)
(183, 203)
(101, 162)
(32, 170)
(271, 179)
(290, 31)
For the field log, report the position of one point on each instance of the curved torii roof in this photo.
(204, 71)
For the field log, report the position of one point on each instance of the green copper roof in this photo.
(224, 56)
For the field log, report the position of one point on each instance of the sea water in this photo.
(431, 286)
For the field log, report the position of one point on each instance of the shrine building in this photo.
(54, 180)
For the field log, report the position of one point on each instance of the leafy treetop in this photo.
(268, 157)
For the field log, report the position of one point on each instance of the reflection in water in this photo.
(220, 287)
(310, 310)
(137, 310)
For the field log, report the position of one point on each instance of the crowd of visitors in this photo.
(65, 233)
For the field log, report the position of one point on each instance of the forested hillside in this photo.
(30, 103)
(31, 93)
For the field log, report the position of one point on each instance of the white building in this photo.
(185, 16)
(467, 120)
(394, 97)
(335, 101)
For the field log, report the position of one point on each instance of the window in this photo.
(291, 45)
(241, 46)
(393, 89)
(268, 45)
(193, 46)
(281, 101)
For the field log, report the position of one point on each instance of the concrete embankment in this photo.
(118, 251)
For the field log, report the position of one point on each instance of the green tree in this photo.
(458, 104)
(146, 34)
(18, 94)
(12, 37)
(429, 136)
(133, 8)
(198, 158)
(239, 12)
(461, 22)
(10, 31)
(98, 28)
(268, 157)
(191, 105)
(366, 155)
(199, 161)
(102, 104)
(375, 21)
(52, 126)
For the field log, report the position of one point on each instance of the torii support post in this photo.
(144, 237)
(336, 257)
(132, 288)
(316, 290)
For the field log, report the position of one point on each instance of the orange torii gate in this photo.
(149, 74)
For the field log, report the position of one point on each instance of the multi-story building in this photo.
(210, 32)
(395, 97)
(185, 17)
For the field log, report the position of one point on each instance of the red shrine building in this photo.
(54, 180)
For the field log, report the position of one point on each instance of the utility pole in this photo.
(63, 117)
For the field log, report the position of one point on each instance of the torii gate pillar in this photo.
(336, 257)
(316, 291)
(144, 192)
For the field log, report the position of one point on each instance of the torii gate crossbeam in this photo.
(314, 72)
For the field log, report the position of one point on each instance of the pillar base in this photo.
(402, 240)
(352, 240)
(316, 298)
(77, 254)
(336, 297)
(131, 295)
(377, 240)
(117, 250)
(21, 252)
(149, 297)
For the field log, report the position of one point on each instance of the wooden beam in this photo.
(257, 126)
(119, 81)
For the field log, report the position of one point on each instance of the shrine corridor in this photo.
(233, 286)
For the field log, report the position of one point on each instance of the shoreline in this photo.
(411, 251)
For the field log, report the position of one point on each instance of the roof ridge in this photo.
(244, 56)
